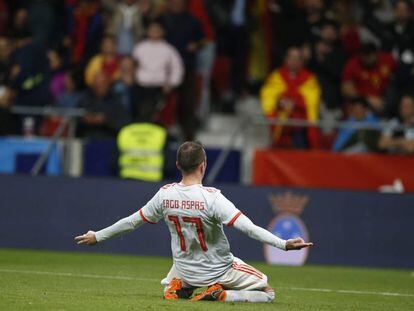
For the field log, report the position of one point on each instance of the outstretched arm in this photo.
(122, 226)
(245, 225)
(151, 213)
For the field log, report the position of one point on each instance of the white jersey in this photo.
(195, 216)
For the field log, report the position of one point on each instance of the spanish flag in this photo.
(301, 89)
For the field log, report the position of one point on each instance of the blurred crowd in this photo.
(174, 61)
(343, 60)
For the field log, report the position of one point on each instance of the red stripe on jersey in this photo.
(248, 272)
(145, 219)
(231, 222)
(210, 189)
(248, 268)
(168, 186)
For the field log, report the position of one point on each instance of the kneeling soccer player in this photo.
(201, 253)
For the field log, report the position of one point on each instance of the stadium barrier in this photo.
(324, 169)
(69, 117)
(92, 157)
(347, 227)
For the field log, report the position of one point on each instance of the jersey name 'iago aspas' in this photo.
(195, 216)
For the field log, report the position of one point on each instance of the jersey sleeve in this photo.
(224, 211)
(245, 225)
(152, 212)
(122, 226)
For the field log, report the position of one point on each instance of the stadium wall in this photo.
(348, 227)
(351, 171)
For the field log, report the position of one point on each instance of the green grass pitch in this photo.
(39, 280)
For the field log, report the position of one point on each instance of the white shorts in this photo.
(240, 276)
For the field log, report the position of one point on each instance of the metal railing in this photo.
(259, 120)
(69, 117)
(48, 111)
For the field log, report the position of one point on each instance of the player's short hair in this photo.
(190, 155)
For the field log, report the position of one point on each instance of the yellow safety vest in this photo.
(141, 151)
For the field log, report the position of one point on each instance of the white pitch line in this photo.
(344, 291)
(80, 275)
(129, 278)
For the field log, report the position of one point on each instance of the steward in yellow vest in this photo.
(141, 148)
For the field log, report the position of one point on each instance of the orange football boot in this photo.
(214, 292)
(170, 292)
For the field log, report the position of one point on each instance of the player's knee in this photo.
(270, 293)
(271, 296)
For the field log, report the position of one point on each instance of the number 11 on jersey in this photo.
(199, 227)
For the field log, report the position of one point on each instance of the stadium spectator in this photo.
(182, 30)
(353, 140)
(398, 140)
(42, 20)
(160, 70)
(58, 70)
(401, 43)
(123, 88)
(185, 33)
(327, 62)
(5, 52)
(149, 11)
(4, 17)
(8, 122)
(344, 13)
(369, 74)
(193, 27)
(86, 28)
(314, 19)
(19, 23)
(104, 113)
(126, 26)
(106, 62)
(7, 125)
(29, 75)
(232, 28)
(398, 36)
(206, 54)
(296, 23)
(71, 94)
(292, 91)
(287, 22)
(375, 16)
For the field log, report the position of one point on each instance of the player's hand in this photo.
(297, 243)
(88, 238)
